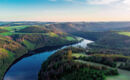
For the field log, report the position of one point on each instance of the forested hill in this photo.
(75, 64)
(111, 37)
(18, 38)
(92, 26)
(76, 26)
(15, 41)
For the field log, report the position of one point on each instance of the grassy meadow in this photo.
(123, 75)
(124, 33)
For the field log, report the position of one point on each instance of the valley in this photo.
(64, 39)
(108, 53)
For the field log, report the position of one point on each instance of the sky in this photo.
(65, 10)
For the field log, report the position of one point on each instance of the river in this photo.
(29, 67)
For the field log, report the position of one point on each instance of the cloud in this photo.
(109, 2)
(123, 5)
(126, 2)
(101, 2)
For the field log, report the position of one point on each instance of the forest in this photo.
(65, 64)
(16, 41)
(109, 54)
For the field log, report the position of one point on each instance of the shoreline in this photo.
(38, 51)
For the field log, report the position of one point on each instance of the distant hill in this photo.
(92, 26)
(19, 23)
(76, 26)
(34, 29)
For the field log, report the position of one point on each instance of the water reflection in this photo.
(28, 68)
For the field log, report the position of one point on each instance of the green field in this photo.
(52, 34)
(7, 53)
(29, 45)
(12, 28)
(6, 34)
(91, 63)
(123, 75)
(77, 55)
(124, 33)
(70, 38)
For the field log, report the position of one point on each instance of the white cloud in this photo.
(101, 2)
(120, 4)
(123, 5)
(113, 4)
(126, 2)
(109, 2)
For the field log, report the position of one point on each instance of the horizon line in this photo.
(60, 21)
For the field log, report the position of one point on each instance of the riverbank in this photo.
(20, 40)
(68, 64)
(35, 61)
(38, 51)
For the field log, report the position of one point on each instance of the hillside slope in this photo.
(70, 64)
(16, 44)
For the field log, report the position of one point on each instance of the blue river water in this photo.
(29, 67)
